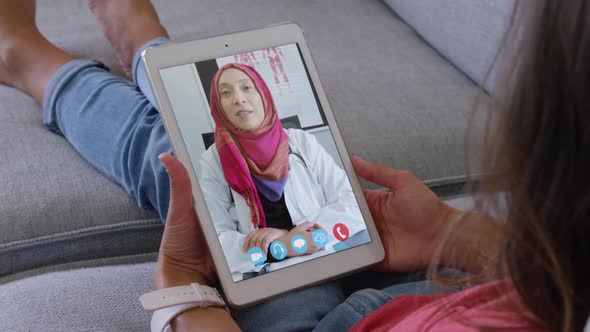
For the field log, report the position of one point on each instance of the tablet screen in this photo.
(265, 158)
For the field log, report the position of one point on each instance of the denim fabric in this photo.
(363, 302)
(298, 311)
(356, 307)
(138, 72)
(113, 126)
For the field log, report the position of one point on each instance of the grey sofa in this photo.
(76, 251)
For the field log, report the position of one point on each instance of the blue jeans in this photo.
(363, 302)
(114, 124)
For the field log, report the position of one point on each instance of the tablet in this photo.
(274, 187)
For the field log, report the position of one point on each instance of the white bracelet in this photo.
(161, 318)
(168, 303)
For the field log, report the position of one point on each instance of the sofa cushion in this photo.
(102, 295)
(466, 32)
(87, 243)
(101, 298)
(396, 100)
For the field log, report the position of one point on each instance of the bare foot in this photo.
(6, 77)
(28, 61)
(127, 24)
(17, 25)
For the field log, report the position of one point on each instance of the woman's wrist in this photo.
(446, 218)
(471, 239)
(205, 319)
(195, 319)
(166, 278)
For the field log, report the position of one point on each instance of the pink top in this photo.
(488, 305)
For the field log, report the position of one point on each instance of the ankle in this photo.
(146, 31)
(10, 62)
(24, 67)
(128, 25)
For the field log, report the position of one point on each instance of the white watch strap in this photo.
(171, 302)
(204, 296)
(161, 318)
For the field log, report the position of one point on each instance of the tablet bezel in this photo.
(247, 292)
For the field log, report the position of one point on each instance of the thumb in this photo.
(181, 196)
(378, 174)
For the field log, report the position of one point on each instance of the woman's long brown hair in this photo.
(536, 150)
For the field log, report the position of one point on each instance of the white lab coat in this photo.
(319, 192)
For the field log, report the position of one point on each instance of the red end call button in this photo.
(341, 232)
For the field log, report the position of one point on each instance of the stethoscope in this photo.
(307, 170)
(291, 152)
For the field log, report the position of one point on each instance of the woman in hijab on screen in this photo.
(265, 185)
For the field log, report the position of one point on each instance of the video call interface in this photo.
(265, 158)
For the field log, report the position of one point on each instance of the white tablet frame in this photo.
(247, 292)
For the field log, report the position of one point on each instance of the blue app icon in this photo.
(256, 256)
(278, 250)
(299, 244)
(319, 238)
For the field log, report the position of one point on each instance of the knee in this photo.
(366, 301)
(356, 307)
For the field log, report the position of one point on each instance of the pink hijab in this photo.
(254, 160)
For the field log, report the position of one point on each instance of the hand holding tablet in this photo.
(275, 180)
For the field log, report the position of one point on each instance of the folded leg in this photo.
(113, 126)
